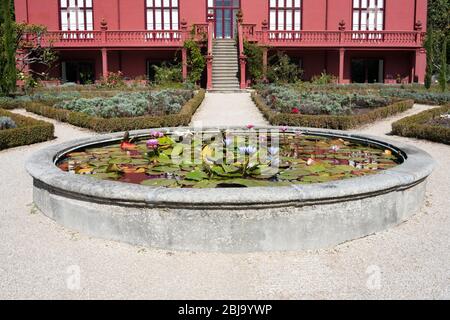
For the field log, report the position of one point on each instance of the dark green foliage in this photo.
(429, 68)
(28, 131)
(340, 122)
(417, 126)
(196, 62)
(98, 124)
(282, 69)
(166, 74)
(7, 50)
(443, 71)
(254, 54)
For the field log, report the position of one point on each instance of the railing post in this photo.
(418, 29)
(242, 57)
(209, 57)
(104, 28)
(265, 35)
(341, 65)
(342, 32)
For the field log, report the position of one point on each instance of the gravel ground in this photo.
(235, 109)
(40, 259)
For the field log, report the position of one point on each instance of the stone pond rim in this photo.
(231, 219)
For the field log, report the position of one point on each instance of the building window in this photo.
(285, 15)
(162, 14)
(76, 15)
(368, 15)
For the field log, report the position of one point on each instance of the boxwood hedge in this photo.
(28, 131)
(417, 126)
(98, 124)
(339, 122)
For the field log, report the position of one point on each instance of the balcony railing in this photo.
(109, 38)
(168, 38)
(336, 38)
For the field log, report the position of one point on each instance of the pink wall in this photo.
(130, 14)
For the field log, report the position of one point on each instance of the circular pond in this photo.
(233, 190)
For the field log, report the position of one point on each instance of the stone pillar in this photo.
(104, 63)
(341, 65)
(420, 65)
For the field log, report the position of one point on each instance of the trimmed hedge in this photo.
(416, 126)
(28, 131)
(98, 124)
(338, 122)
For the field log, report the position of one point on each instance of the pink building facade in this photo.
(355, 40)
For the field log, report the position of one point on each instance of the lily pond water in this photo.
(220, 159)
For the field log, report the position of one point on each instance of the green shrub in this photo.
(425, 97)
(196, 62)
(417, 126)
(284, 99)
(7, 123)
(131, 104)
(254, 54)
(324, 78)
(282, 70)
(27, 131)
(99, 124)
(340, 122)
(166, 74)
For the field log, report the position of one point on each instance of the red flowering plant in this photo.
(113, 80)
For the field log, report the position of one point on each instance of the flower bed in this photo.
(344, 112)
(425, 125)
(155, 103)
(26, 131)
(285, 99)
(419, 96)
(101, 124)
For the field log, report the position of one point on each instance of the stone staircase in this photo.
(225, 65)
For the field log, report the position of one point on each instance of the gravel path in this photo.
(40, 259)
(232, 109)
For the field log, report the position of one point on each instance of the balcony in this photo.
(341, 39)
(108, 39)
(165, 38)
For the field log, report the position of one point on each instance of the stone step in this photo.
(224, 79)
(226, 83)
(224, 53)
(217, 88)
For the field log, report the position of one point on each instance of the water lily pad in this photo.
(159, 182)
(196, 175)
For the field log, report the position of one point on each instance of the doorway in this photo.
(225, 12)
(78, 72)
(367, 70)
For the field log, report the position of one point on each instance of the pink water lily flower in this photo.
(152, 144)
(250, 126)
(310, 162)
(156, 134)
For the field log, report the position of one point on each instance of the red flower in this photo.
(295, 110)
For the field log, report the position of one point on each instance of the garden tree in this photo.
(7, 49)
(196, 62)
(437, 39)
(282, 69)
(31, 52)
(429, 69)
(443, 71)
